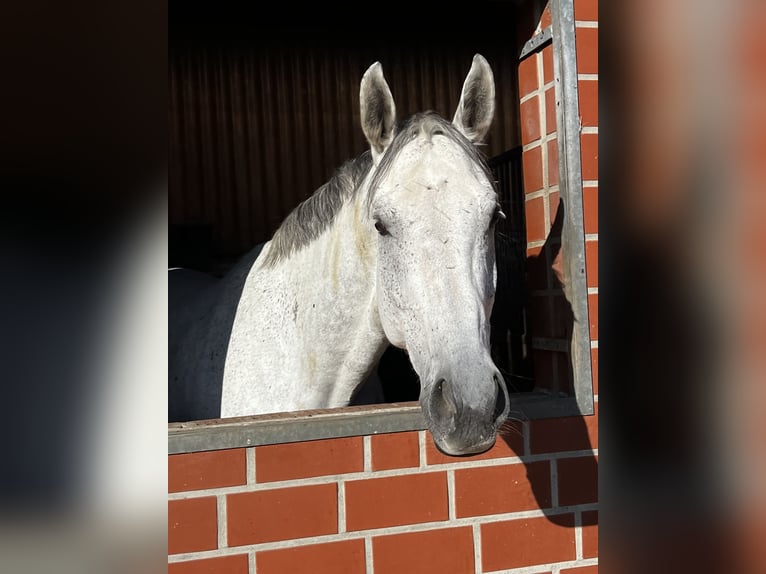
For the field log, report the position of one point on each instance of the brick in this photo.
(547, 64)
(554, 238)
(546, 18)
(500, 489)
(430, 552)
(534, 252)
(510, 442)
(591, 263)
(529, 112)
(557, 268)
(535, 215)
(593, 316)
(588, 98)
(311, 458)
(192, 525)
(282, 514)
(550, 110)
(564, 434)
(528, 75)
(220, 565)
(594, 369)
(587, 50)
(590, 534)
(589, 154)
(581, 570)
(553, 204)
(396, 500)
(553, 165)
(590, 208)
(525, 542)
(346, 557)
(396, 450)
(213, 469)
(532, 166)
(578, 480)
(510, 436)
(586, 10)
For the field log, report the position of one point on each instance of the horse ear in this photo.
(477, 101)
(378, 110)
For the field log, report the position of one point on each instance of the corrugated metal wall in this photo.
(256, 129)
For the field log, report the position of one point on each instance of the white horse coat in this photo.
(398, 248)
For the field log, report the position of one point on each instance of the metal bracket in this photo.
(548, 344)
(536, 42)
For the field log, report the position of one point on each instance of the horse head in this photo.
(433, 207)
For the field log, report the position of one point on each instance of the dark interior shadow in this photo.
(181, 290)
(509, 313)
(190, 246)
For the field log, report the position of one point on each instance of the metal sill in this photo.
(239, 432)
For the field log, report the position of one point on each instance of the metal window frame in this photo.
(570, 190)
(279, 428)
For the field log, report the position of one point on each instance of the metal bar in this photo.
(279, 428)
(536, 42)
(219, 434)
(543, 406)
(570, 188)
(546, 344)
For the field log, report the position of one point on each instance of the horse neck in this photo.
(342, 263)
(331, 282)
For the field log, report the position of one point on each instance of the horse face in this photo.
(434, 211)
(434, 216)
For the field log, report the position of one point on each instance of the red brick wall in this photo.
(393, 503)
(388, 503)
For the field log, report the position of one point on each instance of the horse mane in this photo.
(315, 214)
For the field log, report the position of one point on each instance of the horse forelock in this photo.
(427, 125)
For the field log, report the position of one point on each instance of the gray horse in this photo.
(397, 248)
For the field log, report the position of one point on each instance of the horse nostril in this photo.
(444, 399)
(500, 401)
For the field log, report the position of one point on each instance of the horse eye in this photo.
(381, 228)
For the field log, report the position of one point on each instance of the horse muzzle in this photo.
(461, 423)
